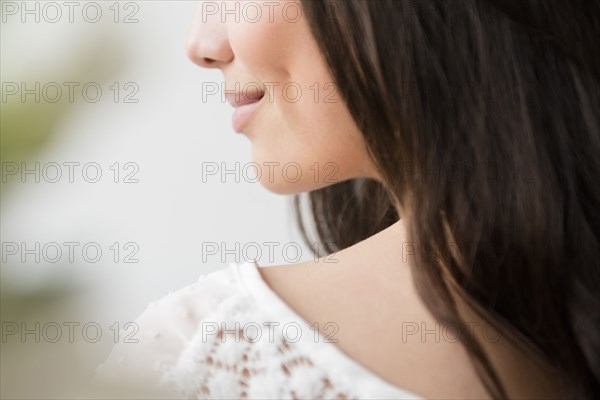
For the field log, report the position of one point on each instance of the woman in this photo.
(463, 138)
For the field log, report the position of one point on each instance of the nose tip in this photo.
(209, 51)
(208, 41)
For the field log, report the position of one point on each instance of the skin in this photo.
(371, 275)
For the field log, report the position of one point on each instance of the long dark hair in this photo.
(482, 118)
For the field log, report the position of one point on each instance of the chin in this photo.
(291, 183)
(286, 188)
(291, 167)
(282, 188)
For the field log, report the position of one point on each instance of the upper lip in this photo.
(249, 96)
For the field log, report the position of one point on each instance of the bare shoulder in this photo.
(369, 295)
(293, 275)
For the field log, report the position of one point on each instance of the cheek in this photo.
(304, 136)
(265, 46)
(319, 139)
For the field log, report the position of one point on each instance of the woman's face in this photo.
(303, 137)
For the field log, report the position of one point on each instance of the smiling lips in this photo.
(246, 104)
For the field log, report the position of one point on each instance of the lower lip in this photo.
(243, 114)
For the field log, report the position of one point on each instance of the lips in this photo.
(246, 104)
(245, 97)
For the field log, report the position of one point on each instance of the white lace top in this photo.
(230, 336)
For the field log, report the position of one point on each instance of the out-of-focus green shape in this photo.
(26, 127)
(18, 305)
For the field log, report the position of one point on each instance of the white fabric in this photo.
(181, 352)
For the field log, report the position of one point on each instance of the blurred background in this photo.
(106, 204)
